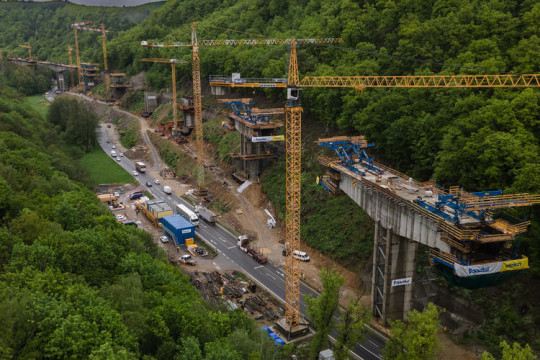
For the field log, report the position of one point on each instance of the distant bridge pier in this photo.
(394, 258)
(61, 83)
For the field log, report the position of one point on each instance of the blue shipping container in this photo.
(178, 229)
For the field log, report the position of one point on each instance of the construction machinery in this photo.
(81, 26)
(173, 63)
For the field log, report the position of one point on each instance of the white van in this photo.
(300, 255)
(113, 154)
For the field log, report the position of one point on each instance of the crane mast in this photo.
(293, 141)
(70, 51)
(197, 103)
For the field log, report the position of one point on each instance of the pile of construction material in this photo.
(226, 289)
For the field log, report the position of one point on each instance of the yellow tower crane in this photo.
(77, 54)
(29, 50)
(173, 63)
(293, 133)
(70, 51)
(291, 322)
(80, 26)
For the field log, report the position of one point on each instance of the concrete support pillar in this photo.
(61, 82)
(394, 257)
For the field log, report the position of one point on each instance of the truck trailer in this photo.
(206, 214)
(179, 229)
(243, 244)
(187, 214)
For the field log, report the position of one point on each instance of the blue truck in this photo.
(181, 231)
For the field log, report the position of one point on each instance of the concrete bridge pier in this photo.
(61, 81)
(394, 258)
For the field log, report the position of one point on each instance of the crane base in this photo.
(294, 332)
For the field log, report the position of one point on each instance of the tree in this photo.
(351, 328)
(415, 339)
(511, 352)
(321, 309)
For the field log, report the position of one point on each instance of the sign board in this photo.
(256, 139)
(235, 76)
(400, 282)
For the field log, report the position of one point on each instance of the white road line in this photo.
(270, 276)
(373, 343)
(231, 247)
(258, 267)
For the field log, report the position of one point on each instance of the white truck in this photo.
(189, 215)
(206, 214)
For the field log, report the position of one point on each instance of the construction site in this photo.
(471, 239)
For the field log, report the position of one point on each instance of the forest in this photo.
(483, 139)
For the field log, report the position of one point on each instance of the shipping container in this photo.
(156, 209)
(179, 229)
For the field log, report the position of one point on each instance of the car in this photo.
(129, 223)
(108, 141)
(118, 158)
(149, 183)
(157, 182)
(114, 146)
(164, 239)
(116, 194)
(135, 173)
(121, 217)
(186, 259)
(122, 154)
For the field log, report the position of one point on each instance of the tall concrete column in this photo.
(61, 83)
(394, 257)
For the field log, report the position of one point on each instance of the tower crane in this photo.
(80, 26)
(29, 50)
(293, 130)
(291, 323)
(173, 63)
(75, 27)
(70, 51)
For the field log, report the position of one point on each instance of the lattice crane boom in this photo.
(173, 63)
(422, 81)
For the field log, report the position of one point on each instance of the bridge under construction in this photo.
(468, 238)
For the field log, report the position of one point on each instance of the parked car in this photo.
(136, 195)
(135, 173)
(149, 183)
(116, 194)
(164, 239)
(130, 223)
(157, 182)
(121, 217)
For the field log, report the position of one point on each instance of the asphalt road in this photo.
(268, 275)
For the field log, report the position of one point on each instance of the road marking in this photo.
(373, 343)
(258, 267)
(270, 276)
(231, 247)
